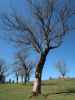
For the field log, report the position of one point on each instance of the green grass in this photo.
(52, 90)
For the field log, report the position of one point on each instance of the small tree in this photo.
(2, 71)
(23, 68)
(17, 76)
(45, 32)
(62, 68)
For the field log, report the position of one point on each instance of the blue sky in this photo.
(66, 51)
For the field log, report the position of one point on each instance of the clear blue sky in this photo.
(66, 51)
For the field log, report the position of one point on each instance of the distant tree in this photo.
(21, 73)
(50, 78)
(9, 81)
(13, 81)
(43, 33)
(17, 76)
(62, 68)
(23, 68)
(3, 71)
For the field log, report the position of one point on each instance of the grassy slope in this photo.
(52, 90)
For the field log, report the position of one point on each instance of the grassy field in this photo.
(52, 90)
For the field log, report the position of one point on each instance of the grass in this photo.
(52, 90)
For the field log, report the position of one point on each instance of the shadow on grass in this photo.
(48, 84)
(70, 91)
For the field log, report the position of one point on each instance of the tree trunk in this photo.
(25, 80)
(17, 79)
(63, 77)
(38, 74)
(22, 78)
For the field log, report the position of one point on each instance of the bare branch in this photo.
(52, 27)
(61, 67)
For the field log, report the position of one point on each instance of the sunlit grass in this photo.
(51, 90)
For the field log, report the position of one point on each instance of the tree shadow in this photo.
(70, 91)
(48, 84)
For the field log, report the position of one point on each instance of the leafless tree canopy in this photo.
(61, 67)
(23, 68)
(47, 28)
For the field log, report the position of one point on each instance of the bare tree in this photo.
(24, 69)
(3, 71)
(17, 76)
(44, 33)
(62, 68)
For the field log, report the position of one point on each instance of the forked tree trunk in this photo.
(38, 74)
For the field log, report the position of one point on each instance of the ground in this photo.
(51, 90)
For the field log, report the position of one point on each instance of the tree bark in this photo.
(22, 78)
(16, 78)
(25, 79)
(38, 74)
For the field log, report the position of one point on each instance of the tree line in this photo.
(24, 70)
